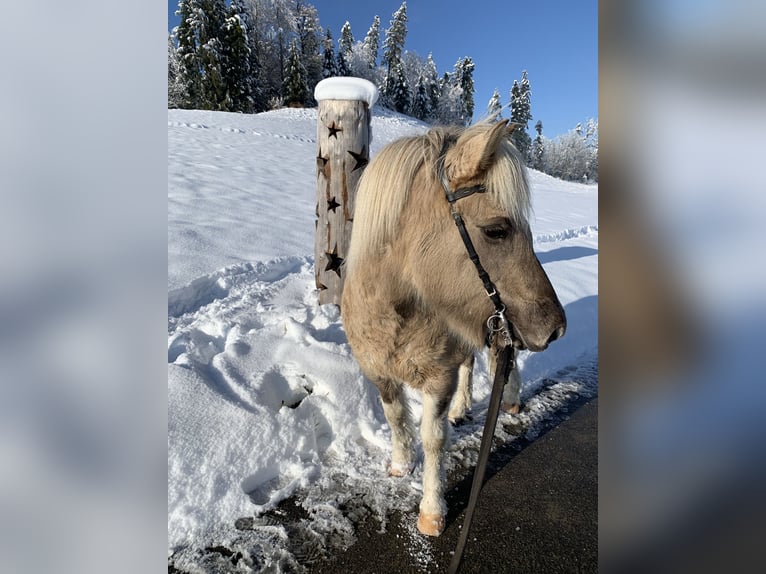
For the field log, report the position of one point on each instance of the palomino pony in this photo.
(413, 306)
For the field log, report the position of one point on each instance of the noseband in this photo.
(497, 323)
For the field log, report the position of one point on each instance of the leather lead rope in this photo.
(503, 369)
(497, 324)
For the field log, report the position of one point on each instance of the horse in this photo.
(413, 308)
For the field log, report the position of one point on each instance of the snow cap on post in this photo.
(346, 88)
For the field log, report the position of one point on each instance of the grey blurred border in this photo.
(682, 285)
(83, 261)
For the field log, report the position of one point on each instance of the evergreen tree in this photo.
(176, 94)
(395, 37)
(538, 148)
(526, 97)
(431, 78)
(329, 67)
(342, 67)
(395, 91)
(521, 114)
(295, 89)
(308, 30)
(494, 107)
(236, 64)
(346, 41)
(256, 42)
(372, 43)
(464, 78)
(212, 54)
(189, 69)
(421, 104)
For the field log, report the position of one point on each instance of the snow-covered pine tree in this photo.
(464, 78)
(212, 54)
(372, 43)
(175, 87)
(538, 148)
(397, 89)
(521, 114)
(421, 104)
(346, 41)
(329, 66)
(413, 67)
(189, 68)
(342, 65)
(295, 89)
(395, 92)
(345, 48)
(256, 43)
(236, 64)
(308, 30)
(431, 77)
(393, 46)
(494, 107)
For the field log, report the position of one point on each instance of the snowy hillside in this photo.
(265, 400)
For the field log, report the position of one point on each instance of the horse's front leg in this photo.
(512, 389)
(433, 432)
(397, 413)
(461, 402)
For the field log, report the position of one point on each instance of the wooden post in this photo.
(343, 142)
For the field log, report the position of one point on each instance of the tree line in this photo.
(255, 55)
(573, 156)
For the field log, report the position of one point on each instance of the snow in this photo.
(347, 88)
(265, 400)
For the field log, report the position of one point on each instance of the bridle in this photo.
(497, 324)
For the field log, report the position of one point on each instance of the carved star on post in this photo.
(360, 158)
(322, 164)
(334, 130)
(332, 205)
(333, 261)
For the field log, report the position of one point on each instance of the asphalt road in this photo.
(538, 512)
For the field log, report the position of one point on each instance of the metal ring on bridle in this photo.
(495, 322)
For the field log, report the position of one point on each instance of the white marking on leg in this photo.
(433, 432)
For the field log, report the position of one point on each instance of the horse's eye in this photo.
(495, 232)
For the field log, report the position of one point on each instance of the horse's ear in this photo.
(512, 127)
(474, 152)
(495, 137)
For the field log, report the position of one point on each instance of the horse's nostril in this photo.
(557, 334)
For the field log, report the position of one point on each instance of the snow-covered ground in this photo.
(265, 400)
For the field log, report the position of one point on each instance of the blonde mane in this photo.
(385, 186)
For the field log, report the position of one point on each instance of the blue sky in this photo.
(556, 41)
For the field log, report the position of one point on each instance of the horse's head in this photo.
(497, 221)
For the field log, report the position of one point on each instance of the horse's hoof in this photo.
(459, 420)
(512, 408)
(399, 469)
(431, 524)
